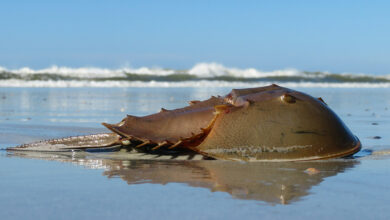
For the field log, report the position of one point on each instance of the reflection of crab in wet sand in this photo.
(272, 183)
(256, 124)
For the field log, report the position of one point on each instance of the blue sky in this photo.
(336, 36)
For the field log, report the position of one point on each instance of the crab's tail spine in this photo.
(72, 143)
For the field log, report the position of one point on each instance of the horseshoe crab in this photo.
(270, 123)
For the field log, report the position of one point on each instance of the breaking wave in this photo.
(200, 75)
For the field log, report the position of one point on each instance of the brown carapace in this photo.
(268, 123)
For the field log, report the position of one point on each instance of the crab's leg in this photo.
(105, 140)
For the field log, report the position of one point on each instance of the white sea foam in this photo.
(216, 69)
(90, 72)
(201, 83)
(87, 72)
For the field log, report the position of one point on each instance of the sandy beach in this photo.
(116, 185)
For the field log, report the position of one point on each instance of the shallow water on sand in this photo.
(114, 185)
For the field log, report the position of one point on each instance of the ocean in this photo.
(200, 75)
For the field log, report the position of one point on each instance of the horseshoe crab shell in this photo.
(269, 123)
(278, 124)
(266, 123)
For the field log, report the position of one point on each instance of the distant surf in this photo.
(200, 75)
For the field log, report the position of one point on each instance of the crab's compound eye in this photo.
(288, 98)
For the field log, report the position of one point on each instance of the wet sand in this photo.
(117, 185)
